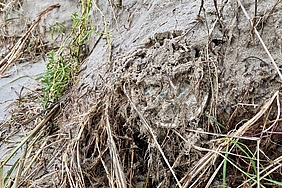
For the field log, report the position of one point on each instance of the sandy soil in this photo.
(175, 63)
(20, 78)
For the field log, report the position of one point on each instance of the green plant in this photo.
(64, 63)
(247, 154)
(56, 78)
(246, 151)
(215, 121)
(59, 27)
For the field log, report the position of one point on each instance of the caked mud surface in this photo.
(179, 67)
(166, 80)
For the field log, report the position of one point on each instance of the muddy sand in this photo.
(182, 83)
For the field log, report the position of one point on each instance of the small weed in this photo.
(244, 149)
(248, 153)
(59, 27)
(56, 78)
(64, 63)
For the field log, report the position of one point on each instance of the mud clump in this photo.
(167, 107)
(167, 81)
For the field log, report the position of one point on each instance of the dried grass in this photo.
(109, 135)
(16, 51)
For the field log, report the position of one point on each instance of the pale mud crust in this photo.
(168, 81)
(177, 67)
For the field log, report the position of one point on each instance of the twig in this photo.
(15, 53)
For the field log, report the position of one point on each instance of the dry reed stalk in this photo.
(15, 53)
(213, 155)
(116, 164)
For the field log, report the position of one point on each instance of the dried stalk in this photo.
(15, 53)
